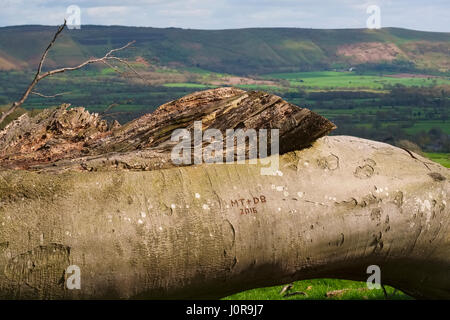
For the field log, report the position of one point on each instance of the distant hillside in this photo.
(240, 51)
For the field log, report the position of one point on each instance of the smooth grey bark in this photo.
(331, 211)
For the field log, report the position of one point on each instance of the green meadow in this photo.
(352, 80)
(370, 105)
(320, 289)
(442, 158)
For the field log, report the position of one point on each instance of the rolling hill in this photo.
(239, 51)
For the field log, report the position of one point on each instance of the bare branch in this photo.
(121, 48)
(41, 75)
(90, 61)
(115, 68)
(113, 114)
(36, 79)
(112, 105)
(129, 67)
(46, 96)
(60, 29)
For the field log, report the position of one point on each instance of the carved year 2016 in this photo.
(248, 205)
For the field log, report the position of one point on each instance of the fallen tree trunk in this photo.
(210, 230)
(65, 138)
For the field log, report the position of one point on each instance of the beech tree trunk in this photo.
(335, 207)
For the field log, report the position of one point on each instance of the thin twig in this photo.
(41, 75)
(90, 61)
(117, 113)
(290, 294)
(36, 79)
(129, 67)
(286, 288)
(115, 68)
(46, 96)
(41, 62)
(112, 105)
(385, 292)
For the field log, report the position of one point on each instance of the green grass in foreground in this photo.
(442, 158)
(321, 289)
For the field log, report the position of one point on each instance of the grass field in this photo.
(366, 105)
(351, 80)
(427, 125)
(442, 158)
(318, 289)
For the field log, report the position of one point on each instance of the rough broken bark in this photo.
(60, 139)
(333, 209)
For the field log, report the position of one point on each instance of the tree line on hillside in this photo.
(382, 116)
